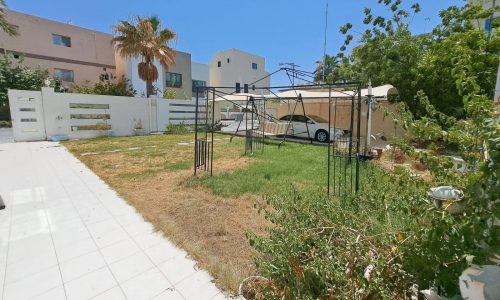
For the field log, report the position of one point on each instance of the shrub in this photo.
(106, 87)
(5, 124)
(180, 128)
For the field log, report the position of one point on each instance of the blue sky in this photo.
(279, 30)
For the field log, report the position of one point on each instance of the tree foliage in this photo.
(388, 53)
(4, 25)
(106, 87)
(13, 75)
(145, 38)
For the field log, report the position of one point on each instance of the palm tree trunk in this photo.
(149, 88)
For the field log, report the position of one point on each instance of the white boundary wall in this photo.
(43, 115)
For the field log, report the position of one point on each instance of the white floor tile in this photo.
(169, 294)
(90, 285)
(82, 265)
(131, 266)
(148, 240)
(164, 251)
(109, 238)
(33, 285)
(178, 268)
(29, 266)
(137, 228)
(146, 285)
(119, 250)
(112, 294)
(54, 294)
(75, 249)
(27, 247)
(198, 286)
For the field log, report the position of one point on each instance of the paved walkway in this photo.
(6, 135)
(66, 235)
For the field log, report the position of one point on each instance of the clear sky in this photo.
(279, 30)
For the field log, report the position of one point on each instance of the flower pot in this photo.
(378, 152)
(139, 131)
(251, 287)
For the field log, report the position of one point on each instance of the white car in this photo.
(318, 128)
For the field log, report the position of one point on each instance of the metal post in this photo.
(351, 129)
(359, 138)
(213, 129)
(196, 132)
(368, 119)
(329, 134)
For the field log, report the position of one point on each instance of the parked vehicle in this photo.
(312, 127)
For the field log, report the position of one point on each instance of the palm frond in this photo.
(4, 25)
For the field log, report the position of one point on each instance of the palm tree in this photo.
(145, 38)
(332, 64)
(4, 25)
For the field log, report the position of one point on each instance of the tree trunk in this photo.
(149, 88)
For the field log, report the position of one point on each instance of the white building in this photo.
(236, 69)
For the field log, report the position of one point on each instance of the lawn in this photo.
(208, 216)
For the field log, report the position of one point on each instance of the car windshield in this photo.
(318, 119)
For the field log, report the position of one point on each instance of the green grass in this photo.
(277, 170)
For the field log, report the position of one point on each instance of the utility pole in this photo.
(324, 46)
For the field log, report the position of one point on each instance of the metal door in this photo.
(26, 110)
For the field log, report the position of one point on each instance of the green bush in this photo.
(322, 248)
(180, 128)
(5, 124)
(106, 87)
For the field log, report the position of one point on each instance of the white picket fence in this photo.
(48, 115)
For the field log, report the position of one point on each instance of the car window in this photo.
(299, 118)
(285, 118)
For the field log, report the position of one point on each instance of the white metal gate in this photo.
(27, 116)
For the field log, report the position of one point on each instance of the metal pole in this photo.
(324, 48)
(359, 138)
(213, 129)
(329, 135)
(368, 118)
(196, 132)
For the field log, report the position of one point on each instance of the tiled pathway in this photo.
(66, 235)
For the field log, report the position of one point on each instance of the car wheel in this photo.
(321, 136)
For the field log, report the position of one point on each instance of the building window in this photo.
(219, 64)
(64, 75)
(174, 80)
(238, 87)
(61, 40)
(199, 84)
(254, 66)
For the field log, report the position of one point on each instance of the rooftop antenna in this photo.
(293, 66)
(324, 48)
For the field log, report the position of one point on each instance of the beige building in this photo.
(236, 68)
(71, 53)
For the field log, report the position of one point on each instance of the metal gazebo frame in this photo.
(344, 151)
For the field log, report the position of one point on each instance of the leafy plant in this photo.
(13, 75)
(169, 94)
(177, 129)
(107, 87)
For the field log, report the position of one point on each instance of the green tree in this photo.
(388, 53)
(145, 38)
(13, 75)
(4, 25)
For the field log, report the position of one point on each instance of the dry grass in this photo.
(150, 173)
